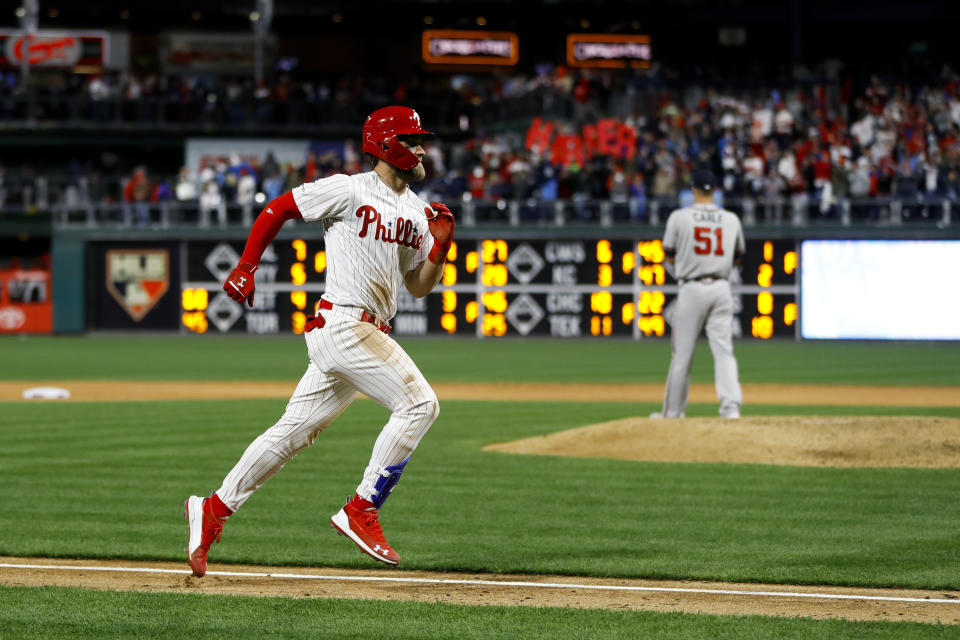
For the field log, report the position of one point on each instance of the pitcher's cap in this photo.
(703, 179)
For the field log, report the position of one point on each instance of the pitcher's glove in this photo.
(442, 225)
(239, 285)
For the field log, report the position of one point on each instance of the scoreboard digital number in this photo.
(494, 287)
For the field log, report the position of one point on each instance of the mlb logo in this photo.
(137, 278)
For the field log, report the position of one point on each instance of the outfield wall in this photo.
(504, 281)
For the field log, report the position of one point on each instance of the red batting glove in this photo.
(239, 285)
(442, 225)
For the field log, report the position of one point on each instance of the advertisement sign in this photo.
(25, 298)
(218, 53)
(608, 50)
(451, 46)
(53, 48)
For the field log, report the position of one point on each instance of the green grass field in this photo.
(107, 480)
(456, 359)
(44, 613)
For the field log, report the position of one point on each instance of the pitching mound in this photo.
(861, 441)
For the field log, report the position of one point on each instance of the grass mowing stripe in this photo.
(61, 613)
(471, 360)
(520, 514)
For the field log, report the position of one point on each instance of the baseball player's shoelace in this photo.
(214, 532)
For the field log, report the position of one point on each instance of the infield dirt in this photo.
(716, 598)
(754, 394)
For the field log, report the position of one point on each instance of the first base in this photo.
(46, 393)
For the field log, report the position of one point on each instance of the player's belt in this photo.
(703, 279)
(317, 321)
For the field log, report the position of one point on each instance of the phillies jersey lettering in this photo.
(373, 238)
(406, 233)
(706, 240)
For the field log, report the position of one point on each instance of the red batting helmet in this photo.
(380, 131)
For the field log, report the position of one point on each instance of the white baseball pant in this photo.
(347, 357)
(700, 304)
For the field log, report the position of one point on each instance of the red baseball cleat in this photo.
(359, 521)
(205, 529)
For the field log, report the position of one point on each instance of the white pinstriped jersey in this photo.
(706, 239)
(373, 237)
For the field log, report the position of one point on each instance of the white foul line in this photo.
(493, 583)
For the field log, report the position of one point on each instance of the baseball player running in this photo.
(702, 242)
(379, 236)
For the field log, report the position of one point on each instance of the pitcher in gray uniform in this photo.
(703, 242)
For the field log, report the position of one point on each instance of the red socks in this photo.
(360, 503)
(218, 508)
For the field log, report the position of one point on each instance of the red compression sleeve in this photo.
(267, 226)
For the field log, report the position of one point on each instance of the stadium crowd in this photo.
(578, 136)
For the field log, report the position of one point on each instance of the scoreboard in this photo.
(494, 287)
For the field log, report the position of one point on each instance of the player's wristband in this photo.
(438, 254)
(246, 267)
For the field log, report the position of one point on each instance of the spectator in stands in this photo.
(664, 188)
(477, 183)
(311, 168)
(840, 180)
(99, 92)
(162, 190)
(519, 170)
(453, 186)
(292, 178)
(272, 177)
(951, 185)
(546, 181)
(783, 122)
(212, 202)
(802, 132)
(930, 174)
(136, 194)
(246, 193)
(619, 187)
(860, 178)
(185, 187)
(905, 187)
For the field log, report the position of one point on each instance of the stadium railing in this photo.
(796, 212)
